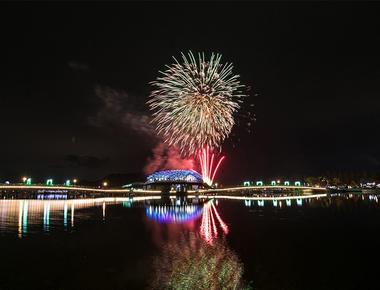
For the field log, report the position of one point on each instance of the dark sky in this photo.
(75, 78)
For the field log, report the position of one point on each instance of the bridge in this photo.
(77, 188)
(260, 188)
(224, 190)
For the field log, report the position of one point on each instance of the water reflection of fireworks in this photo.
(209, 227)
(190, 263)
(211, 223)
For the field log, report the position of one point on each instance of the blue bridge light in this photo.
(175, 176)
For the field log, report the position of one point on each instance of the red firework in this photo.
(206, 159)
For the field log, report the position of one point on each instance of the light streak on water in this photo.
(209, 228)
(25, 215)
(20, 219)
(65, 216)
(25, 218)
(46, 216)
(173, 214)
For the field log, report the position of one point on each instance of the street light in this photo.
(105, 183)
(27, 180)
(75, 180)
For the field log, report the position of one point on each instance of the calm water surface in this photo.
(326, 243)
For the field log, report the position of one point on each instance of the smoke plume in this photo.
(165, 157)
(121, 110)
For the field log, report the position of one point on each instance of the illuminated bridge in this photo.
(174, 180)
(122, 191)
(264, 188)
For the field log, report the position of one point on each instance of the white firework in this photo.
(194, 102)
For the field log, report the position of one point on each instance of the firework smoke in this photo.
(165, 157)
(119, 109)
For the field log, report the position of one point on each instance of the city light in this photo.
(105, 183)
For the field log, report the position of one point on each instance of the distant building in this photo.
(178, 180)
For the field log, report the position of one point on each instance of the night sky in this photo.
(75, 79)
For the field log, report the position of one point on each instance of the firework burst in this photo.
(194, 102)
(209, 168)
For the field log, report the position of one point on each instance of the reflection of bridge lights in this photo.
(299, 201)
(50, 196)
(288, 202)
(72, 214)
(173, 214)
(373, 197)
(248, 202)
(65, 216)
(46, 219)
(21, 215)
(25, 218)
(209, 230)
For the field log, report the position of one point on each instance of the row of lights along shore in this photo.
(272, 183)
(50, 181)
